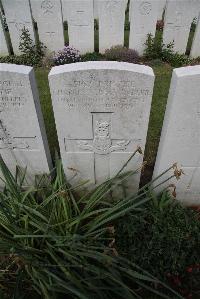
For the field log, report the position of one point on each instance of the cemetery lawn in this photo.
(163, 74)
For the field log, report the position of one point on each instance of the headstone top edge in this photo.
(102, 65)
(187, 71)
(15, 68)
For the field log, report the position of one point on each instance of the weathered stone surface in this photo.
(111, 15)
(180, 139)
(80, 17)
(48, 15)
(177, 23)
(195, 50)
(22, 135)
(101, 111)
(143, 18)
(18, 16)
(3, 42)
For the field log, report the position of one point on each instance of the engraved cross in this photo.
(101, 145)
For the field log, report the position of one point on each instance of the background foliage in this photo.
(164, 239)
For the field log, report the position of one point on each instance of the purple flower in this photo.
(67, 55)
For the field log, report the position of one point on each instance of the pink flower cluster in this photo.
(67, 55)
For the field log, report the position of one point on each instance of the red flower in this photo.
(189, 269)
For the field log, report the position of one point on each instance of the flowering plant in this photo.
(67, 55)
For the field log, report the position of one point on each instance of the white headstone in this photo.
(144, 16)
(22, 135)
(18, 16)
(48, 15)
(195, 50)
(3, 41)
(177, 23)
(111, 15)
(80, 17)
(101, 111)
(180, 139)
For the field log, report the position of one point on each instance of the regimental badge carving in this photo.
(47, 6)
(145, 8)
(102, 142)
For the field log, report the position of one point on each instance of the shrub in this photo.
(164, 239)
(92, 57)
(13, 59)
(121, 53)
(57, 241)
(32, 54)
(67, 55)
(155, 49)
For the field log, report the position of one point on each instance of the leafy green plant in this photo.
(92, 57)
(13, 59)
(155, 49)
(32, 54)
(120, 53)
(62, 243)
(164, 238)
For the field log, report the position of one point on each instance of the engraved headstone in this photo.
(3, 41)
(80, 17)
(144, 16)
(177, 23)
(18, 16)
(195, 50)
(22, 135)
(101, 111)
(180, 139)
(48, 15)
(111, 15)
